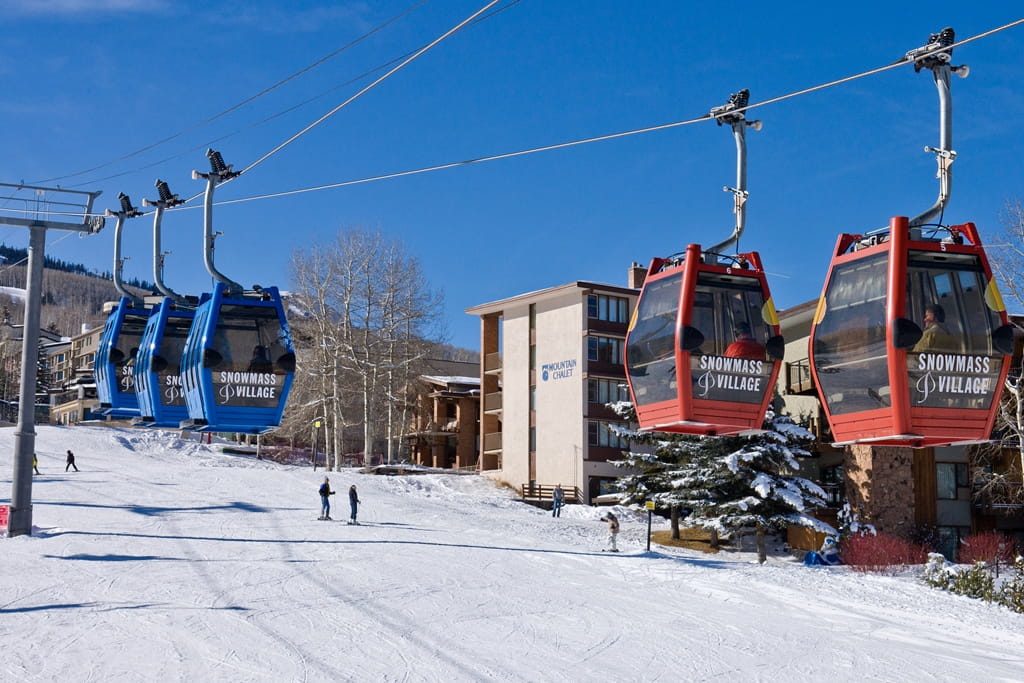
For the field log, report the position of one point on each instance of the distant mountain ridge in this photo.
(73, 296)
(13, 256)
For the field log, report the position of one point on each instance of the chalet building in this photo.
(74, 398)
(445, 432)
(550, 361)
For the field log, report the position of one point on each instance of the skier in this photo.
(325, 502)
(613, 530)
(353, 501)
(35, 463)
(71, 461)
(557, 501)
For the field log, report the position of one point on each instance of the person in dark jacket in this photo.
(353, 501)
(325, 501)
(71, 461)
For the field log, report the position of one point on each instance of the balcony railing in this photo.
(492, 363)
(492, 442)
(798, 377)
(493, 402)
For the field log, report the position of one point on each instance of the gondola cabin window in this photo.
(652, 362)
(850, 355)
(954, 365)
(733, 318)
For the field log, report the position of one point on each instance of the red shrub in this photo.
(881, 553)
(987, 547)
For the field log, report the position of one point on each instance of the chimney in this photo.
(636, 275)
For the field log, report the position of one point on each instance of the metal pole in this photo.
(20, 520)
(649, 513)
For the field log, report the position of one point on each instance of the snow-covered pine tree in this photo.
(650, 470)
(733, 484)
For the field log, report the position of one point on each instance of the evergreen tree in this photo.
(729, 484)
(739, 483)
(652, 470)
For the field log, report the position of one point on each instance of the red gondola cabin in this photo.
(703, 348)
(910, 343)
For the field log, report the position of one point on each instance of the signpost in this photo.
(650, 511)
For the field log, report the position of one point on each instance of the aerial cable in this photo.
(243, 102)
(705, 117)
(507, 155)
(288, 110)
(903, 61)
(362, 92)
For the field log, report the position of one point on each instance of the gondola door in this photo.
(703, 350)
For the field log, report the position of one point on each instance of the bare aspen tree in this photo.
(370, 314)
(1002, 486)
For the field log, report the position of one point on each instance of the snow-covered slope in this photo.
(166, 560)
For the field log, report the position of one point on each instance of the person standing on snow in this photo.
(71, 461)
(325, 501)
(557, 501)
(35, 463)
(353, 502)
(613, 530)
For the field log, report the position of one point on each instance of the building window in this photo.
(611, 308)
(533, 398)
(600, 434)
(948, 477)
(604, 350)
(606, 391)
(533, 439)
(533, 357)
(533, 316)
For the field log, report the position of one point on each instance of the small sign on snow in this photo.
(3, 515)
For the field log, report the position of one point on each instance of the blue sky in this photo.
(87, 82)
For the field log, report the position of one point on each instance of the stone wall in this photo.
(880, 487)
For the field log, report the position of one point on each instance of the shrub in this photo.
(990, 547)
(975, 582)
(1012, 593)
(938, 572)
(881, 553)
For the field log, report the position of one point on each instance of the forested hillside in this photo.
(70, 298)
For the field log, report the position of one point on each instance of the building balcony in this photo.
(798, 378)
(492, 443)
(492, 364)
(493, 403)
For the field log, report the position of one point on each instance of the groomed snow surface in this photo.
(166, 560)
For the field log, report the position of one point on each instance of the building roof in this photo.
(549, 293)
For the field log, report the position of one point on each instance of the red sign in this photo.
(3, 515)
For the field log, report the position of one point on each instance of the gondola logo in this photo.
(729, 374)
(257, 389)
(127, 378)
(173, 394)
(947, 374)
